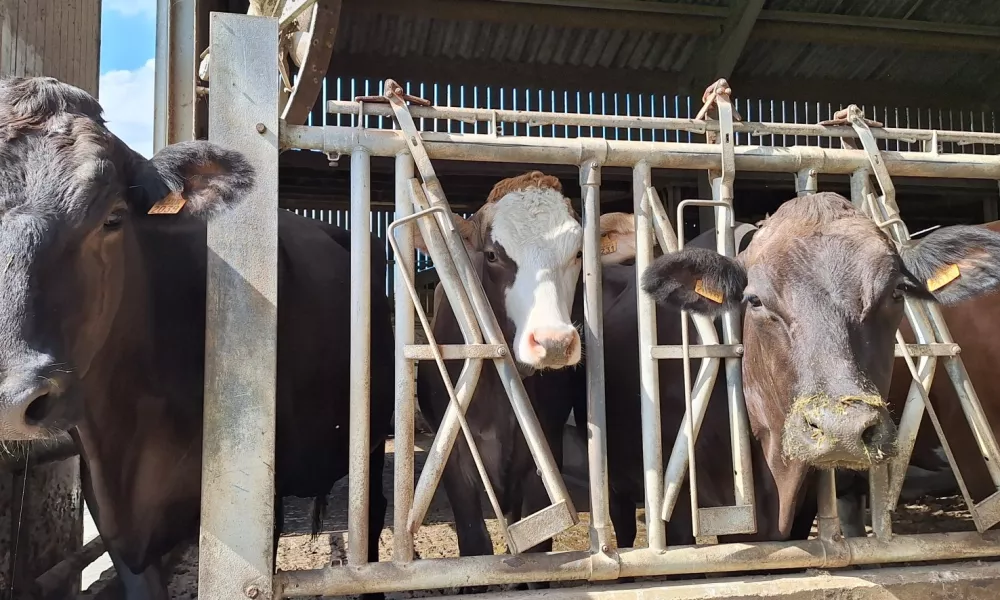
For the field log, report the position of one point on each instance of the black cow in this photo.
(102, 323)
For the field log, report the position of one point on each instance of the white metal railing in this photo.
(423, 202)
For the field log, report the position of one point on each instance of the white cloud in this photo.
(127, 98)
(132, 8)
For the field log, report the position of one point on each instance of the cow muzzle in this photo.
(29, 408)
(550, 347)
(847, 432)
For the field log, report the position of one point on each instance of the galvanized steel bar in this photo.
(593, 312)
(649, 373)
(405, 370)
(506, 369)
(541, 118)
(639, 562)
(827, 520)
(237, 499)
(732, 323)
(360, 384)
(954, 365)
(461, 393)
(618, 153)
(174, 80)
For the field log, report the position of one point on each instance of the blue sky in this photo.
(128, 44)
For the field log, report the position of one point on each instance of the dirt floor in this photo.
(297, 550)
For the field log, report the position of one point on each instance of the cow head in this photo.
(73, 201)
(527, 243)
(823, 288)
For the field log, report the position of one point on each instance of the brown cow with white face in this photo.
(822, 291)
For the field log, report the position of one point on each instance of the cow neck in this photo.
(142, 413)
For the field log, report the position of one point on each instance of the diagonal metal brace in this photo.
(561, 515)
(929, 326)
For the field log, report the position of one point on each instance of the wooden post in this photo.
(41, 509)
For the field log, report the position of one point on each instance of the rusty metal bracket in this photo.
(393, 89)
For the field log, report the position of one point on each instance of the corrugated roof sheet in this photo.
(527, 43)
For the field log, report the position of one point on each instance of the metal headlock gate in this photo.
(239, 417)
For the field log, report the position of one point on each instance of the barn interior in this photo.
(907, 63)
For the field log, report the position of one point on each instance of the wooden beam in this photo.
(734, 37)
(717, 58)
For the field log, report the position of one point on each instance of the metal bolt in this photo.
(501, 351)
(837, 537)
(261, 128)
(605, 548)
(252, 591)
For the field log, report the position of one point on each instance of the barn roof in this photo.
(942, 53)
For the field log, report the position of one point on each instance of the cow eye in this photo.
(115, 219)
(579, 255)
(491, 256)
(753, 300)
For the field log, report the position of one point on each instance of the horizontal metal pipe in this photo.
(618, 153)
(455, 351)
(667, 351)
(539, 118)
(639, 562)
(18, 455)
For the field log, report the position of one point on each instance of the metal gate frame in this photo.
(238, 479)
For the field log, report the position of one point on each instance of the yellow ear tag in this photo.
(608, 244)
(943, 277)
(704, 292)
(171, 204)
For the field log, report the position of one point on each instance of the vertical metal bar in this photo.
(176, 70)
(649, 374)
(360, 422)
(806, 182)
(827, 520)
(597, 447)
(403, 439)
(739, 421)
(878, 492)
(237, 501)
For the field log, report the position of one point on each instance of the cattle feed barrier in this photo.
(237, 477)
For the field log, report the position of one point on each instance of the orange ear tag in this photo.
(943, 277)
(704, 292)
(171, 204)
(608, 244)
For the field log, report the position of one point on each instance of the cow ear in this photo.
(467, 228)
(953, 264)
(618, 238)
(196, 179)
(696, 279)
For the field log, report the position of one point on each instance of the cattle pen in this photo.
(390, 151)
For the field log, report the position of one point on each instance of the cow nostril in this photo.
(868, 435)
(39, 408)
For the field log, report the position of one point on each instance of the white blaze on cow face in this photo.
(540, 235)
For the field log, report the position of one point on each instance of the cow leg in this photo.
(377, 506)
(621, 507)
(461, 485)
(148, 585)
